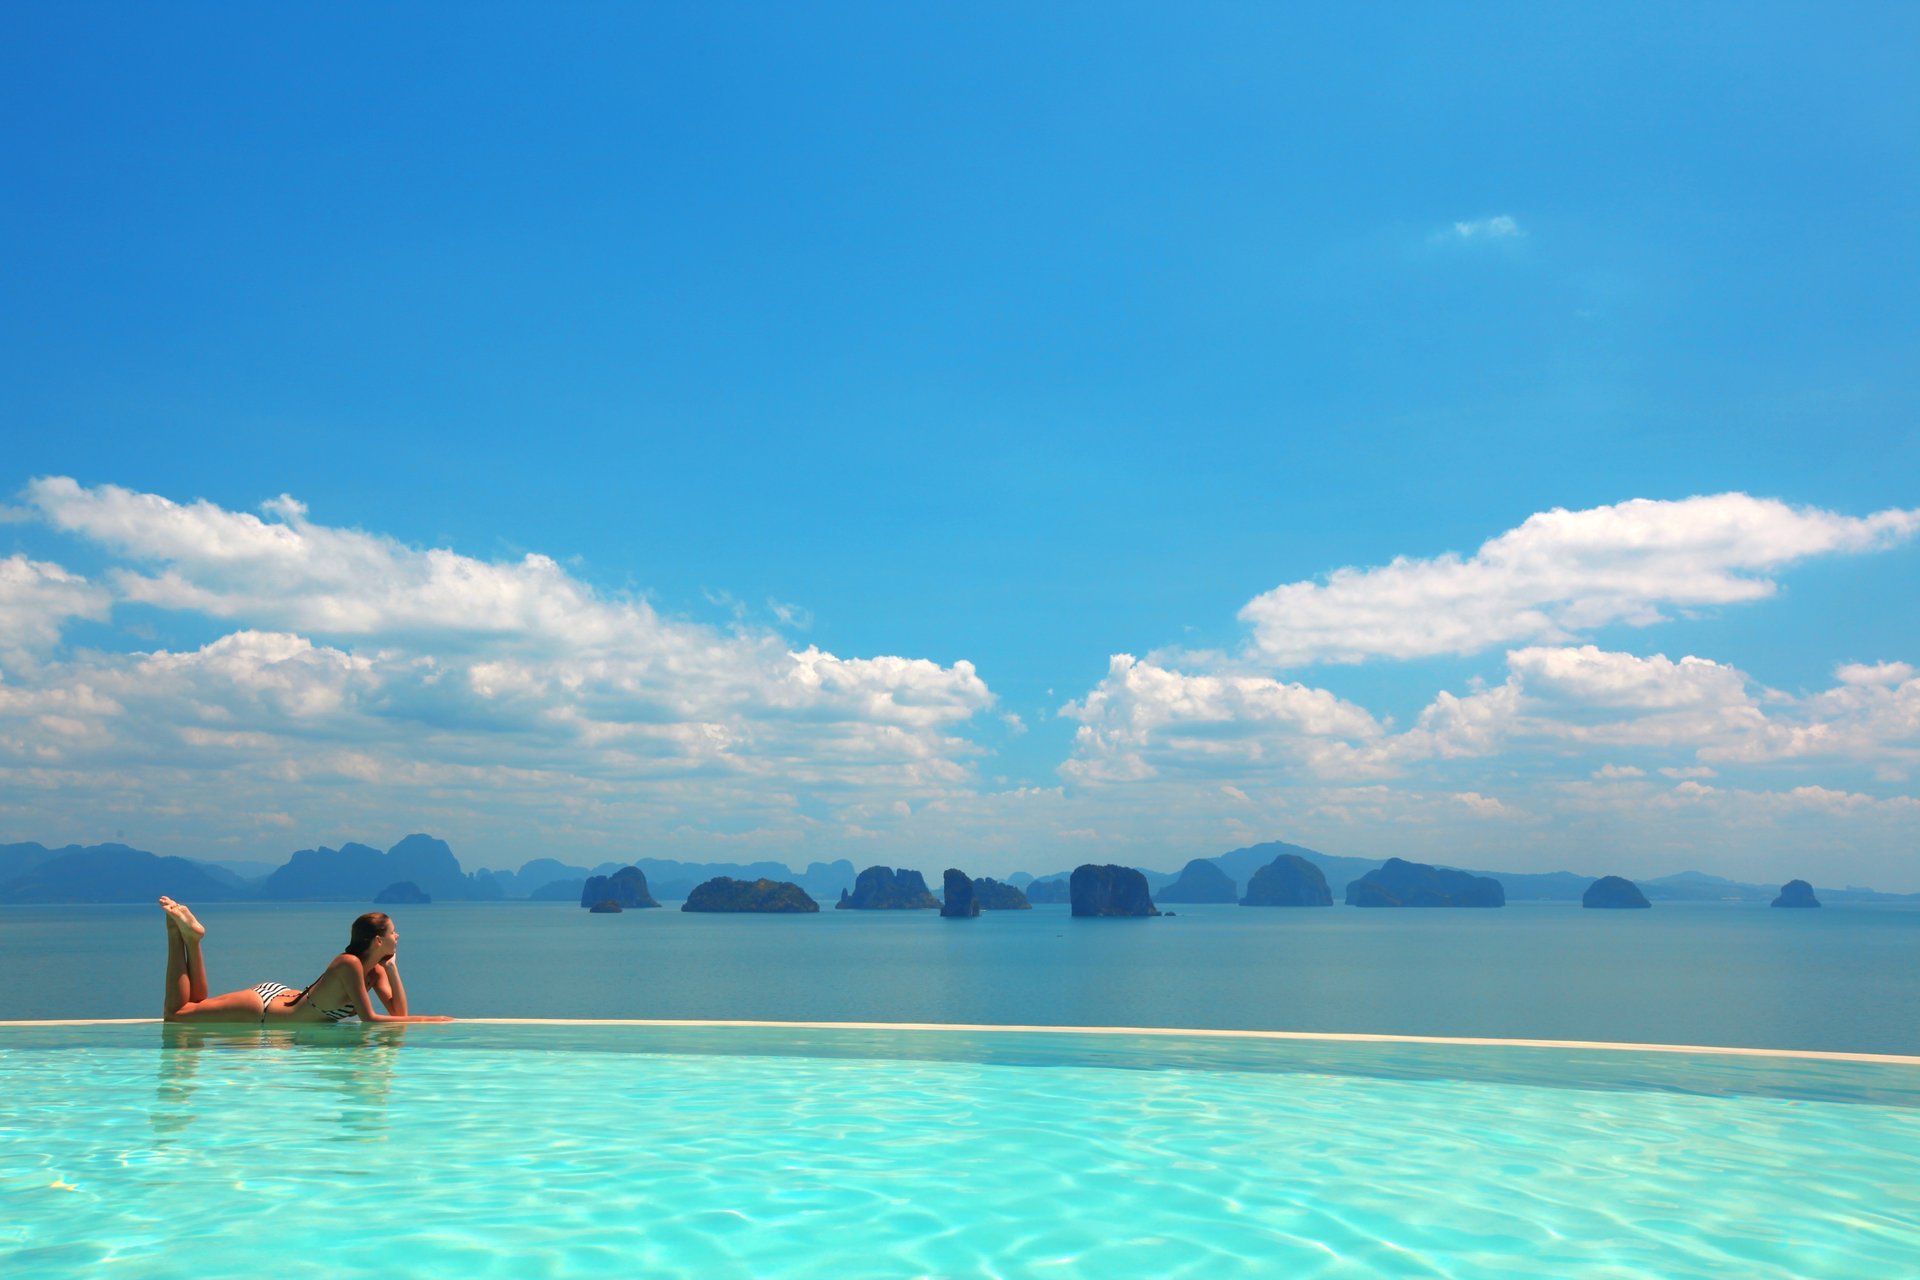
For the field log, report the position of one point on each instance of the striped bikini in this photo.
(271, 991)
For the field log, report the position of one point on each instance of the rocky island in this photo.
(994, 896)
(1399, 883)
(1106, 891)
(627, 886)
(724, 893)
(960, 904)
(404, 893)
(1288, 881)
(1613, 893)
(1201, 880)
(1796, 893)
(884, 889)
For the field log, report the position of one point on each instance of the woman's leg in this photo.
(179, 986)
(188, 929)
(187, 999)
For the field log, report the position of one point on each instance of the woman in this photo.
(338, 994)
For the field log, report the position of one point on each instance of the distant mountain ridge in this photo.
(353, 872)
(356, 872)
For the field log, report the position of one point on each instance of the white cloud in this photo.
(36, 601)
(1875, 718)
(1557, 575)
(288, 572)
(426, 677)
(1144, 719)
(1594, 678)
(1875, 673)
(1484, 806)
(1150, 721)
(1500, 226)
(1589, 697)
(1610, 772)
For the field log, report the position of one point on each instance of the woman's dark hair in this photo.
(365, 929)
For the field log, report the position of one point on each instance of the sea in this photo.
(1845, 977)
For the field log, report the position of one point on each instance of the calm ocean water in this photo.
(1839, 978)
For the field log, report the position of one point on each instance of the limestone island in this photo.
(994, 896)
(963, 898)
(627, 886)
(960, 902)
(606, 908)
(1399, 883)
(1796, 893)
(1288, 881)
(1201, 880)
(402, 893)
(1613, 893)
(724, 893)
(1106, 891)
(884, 889)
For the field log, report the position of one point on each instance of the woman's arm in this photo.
(392, 991)
(357, 973)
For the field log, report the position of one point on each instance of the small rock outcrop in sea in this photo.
(402, 893)
(994, 896)
(1201, 880)
(1110, 891)
(606, 907)
(627, 886)
(1613, 893)
(1399, 883)
(1796, 893)
(1048, 891)
(960, 901)
(724, 893)
(884, 889)
(1288, 881)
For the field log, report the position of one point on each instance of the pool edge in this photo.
(1333, 1037)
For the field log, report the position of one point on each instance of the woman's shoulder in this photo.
(346, 960)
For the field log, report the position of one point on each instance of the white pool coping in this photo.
(1215, 1033)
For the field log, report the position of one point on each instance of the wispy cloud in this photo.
(1498, 227)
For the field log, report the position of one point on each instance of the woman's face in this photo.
(386, 944)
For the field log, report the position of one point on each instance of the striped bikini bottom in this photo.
(269, 992)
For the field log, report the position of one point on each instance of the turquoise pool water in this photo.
(568, 1151)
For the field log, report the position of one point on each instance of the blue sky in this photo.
(969, 334)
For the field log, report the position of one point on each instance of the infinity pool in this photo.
(737, 1151)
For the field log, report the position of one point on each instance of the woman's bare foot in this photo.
(183, 919)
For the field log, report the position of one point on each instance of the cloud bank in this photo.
(357, 682)
(406, 671)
